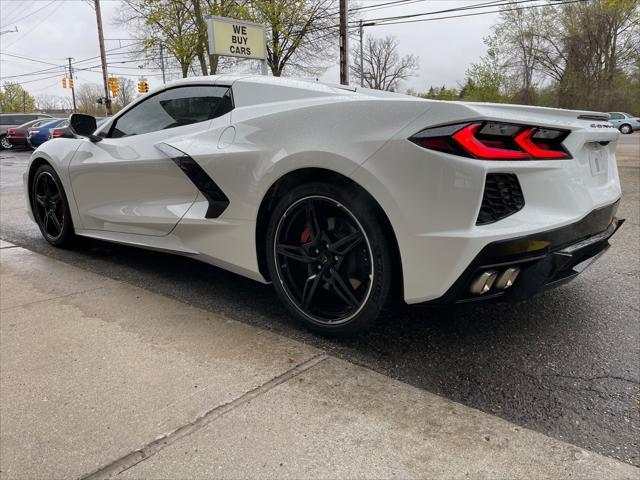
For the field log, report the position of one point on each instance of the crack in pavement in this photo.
(150, 449)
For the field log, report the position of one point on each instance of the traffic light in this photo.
(71, 83)
(114, 86)
(143, 86)
(64, 83)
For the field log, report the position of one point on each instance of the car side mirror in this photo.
(84, 125)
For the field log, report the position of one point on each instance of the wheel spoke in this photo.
(46, 222)
(346, 244)
(310, 287)
(312, 219)
(56, 222)
(294, 253)
(343, 289)
(41, 199)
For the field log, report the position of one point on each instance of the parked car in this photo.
(17, 136)
(39, 134)
(8, 120)
(624, 122)
(345, 199)
(59, 130)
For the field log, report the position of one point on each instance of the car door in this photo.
(616, 119)
(125, 183)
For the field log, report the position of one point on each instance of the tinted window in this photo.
(174, 108)
(615, 116)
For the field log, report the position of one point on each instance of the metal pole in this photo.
(162, 64)
(24, 101)
(344, 43)
(73, 88)
(103, 57)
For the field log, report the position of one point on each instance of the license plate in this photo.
(598, 160)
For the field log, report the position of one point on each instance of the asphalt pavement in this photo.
(566, 363)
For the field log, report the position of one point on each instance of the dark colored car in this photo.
(8, 120)
(39, 134)
(17, 136)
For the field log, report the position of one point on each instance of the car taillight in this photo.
(57, 133)
(11, 131)
(495, 141)
(34, 131)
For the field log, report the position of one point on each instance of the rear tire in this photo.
(50, 207)
(626, 129)
(328, 258)
(5, 144)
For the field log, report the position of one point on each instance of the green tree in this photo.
(14, 98)
(301, 34)
(486, 81)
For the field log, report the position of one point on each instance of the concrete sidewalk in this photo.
(102, 379)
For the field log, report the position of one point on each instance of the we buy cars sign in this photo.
(236, 38)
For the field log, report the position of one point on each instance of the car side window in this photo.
(172, 108)
(615, 116)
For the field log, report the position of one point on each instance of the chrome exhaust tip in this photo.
(507, 278)
(483, 282)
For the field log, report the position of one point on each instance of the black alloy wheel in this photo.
(50, 207)
(5, 144)
(326, 265)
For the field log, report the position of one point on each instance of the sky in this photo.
(50, 31)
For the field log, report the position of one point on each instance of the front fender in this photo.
(58, 153)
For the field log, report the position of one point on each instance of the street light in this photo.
(360, 29)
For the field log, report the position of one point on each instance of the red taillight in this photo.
(468, 140)
(11, 131)
(57, 133)
(495, 141)
(33, 132)
(525, 141)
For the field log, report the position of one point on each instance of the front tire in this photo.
(328, 258)
(626, 129)
(5, 144)
(50, 207)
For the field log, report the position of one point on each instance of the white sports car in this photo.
(343, 198)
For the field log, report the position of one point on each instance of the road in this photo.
(565, 363)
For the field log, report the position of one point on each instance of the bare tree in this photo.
(87, 95)
(48, 102)
(383, 68)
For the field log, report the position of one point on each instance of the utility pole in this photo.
(344, 43)
(103, 57)
(24, 101)
(162, 64)
(73, 87)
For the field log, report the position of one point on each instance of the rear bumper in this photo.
(17, 141)
(545, 259)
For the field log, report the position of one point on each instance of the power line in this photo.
(32, 13)
(491, 4)
(39, 23)
(477, 13)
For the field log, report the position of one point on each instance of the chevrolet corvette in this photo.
(343, 198)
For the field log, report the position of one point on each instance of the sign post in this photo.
(236, 38)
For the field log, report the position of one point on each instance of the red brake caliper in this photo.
(306, 235)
